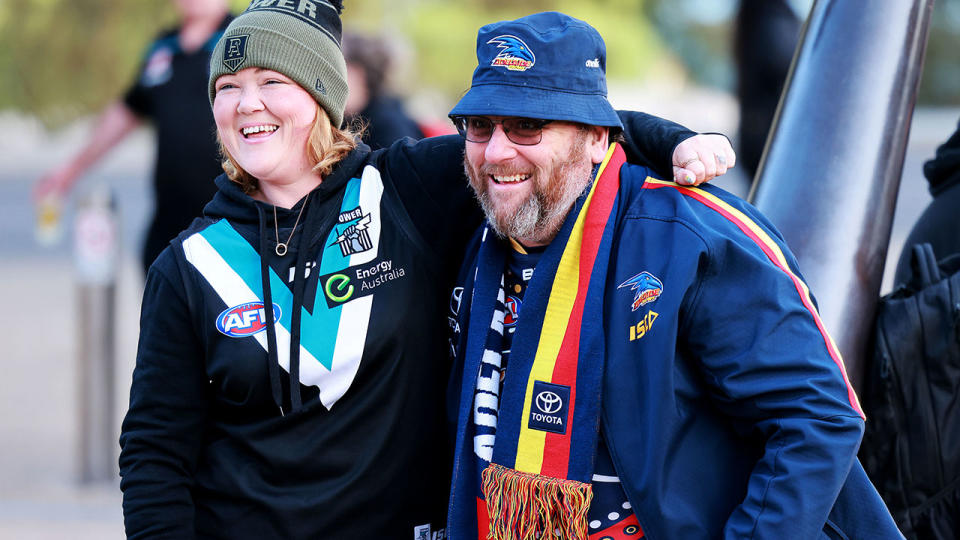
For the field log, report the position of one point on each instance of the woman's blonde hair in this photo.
(326, 146)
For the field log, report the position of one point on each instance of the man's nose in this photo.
(499, 147)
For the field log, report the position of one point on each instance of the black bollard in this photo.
(830, 172)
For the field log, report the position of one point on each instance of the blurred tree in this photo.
(699, 32)
(61, 59)
(941, 73)
(444, 35)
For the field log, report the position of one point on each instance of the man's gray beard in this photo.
(536, 219)
(541, 215)
(522, 224)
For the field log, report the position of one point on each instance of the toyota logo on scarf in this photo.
(549, 412)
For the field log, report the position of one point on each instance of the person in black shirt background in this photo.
(170, 90)
(937, 225)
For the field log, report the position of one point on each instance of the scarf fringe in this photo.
(526, 506)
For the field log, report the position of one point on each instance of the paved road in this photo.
(40, 497)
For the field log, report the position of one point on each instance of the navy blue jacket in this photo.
(725, 404)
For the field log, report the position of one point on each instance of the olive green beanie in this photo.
(299, 38)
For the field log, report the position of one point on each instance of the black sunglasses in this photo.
(522, 131)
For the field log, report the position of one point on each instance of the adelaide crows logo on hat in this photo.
(234, 51)
(648, 288)
(515, 54)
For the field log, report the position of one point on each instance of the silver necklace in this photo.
(281, 248)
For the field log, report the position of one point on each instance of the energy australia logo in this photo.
(550, 407)
(358, 281)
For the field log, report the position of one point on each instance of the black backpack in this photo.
(911, 447)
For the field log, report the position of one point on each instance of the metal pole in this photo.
(95, 261)
(830, 173)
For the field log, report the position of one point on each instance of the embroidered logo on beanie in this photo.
(235, 51)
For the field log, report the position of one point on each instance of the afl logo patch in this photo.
(234, 51)
(550, 406)
(512, 315)
(245, 320)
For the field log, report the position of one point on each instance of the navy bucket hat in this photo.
(547, 65)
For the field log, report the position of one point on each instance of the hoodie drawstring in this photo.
(273, 362)
(299, 285)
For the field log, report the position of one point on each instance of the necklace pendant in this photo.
(281, 248)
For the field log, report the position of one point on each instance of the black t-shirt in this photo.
(171, 91)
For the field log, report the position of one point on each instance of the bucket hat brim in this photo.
(533, 102)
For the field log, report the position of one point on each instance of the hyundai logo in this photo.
(548, 402)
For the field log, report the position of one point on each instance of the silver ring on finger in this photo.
(721, 159)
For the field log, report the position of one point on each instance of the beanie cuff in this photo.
(284, 44)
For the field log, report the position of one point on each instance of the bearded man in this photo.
(632, 357)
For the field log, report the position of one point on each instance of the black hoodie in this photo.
(220, 441)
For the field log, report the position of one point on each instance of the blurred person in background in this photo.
(369, 64)
(292, 359)
(911, 382)
(765, 36)
(170, 92)
(939, 224)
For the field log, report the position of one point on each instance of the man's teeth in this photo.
(257, 129)
(510, 179)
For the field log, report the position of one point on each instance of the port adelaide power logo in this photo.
(234, 51)
(550, 406)
(354, 237)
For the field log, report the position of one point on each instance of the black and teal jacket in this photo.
(328, 423)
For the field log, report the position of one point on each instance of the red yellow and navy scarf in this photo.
(539, 479)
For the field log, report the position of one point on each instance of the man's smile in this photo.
(510, 179)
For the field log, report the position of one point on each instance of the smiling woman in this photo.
(274, 136)
(292, 360)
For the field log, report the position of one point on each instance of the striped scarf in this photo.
(538, 482)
